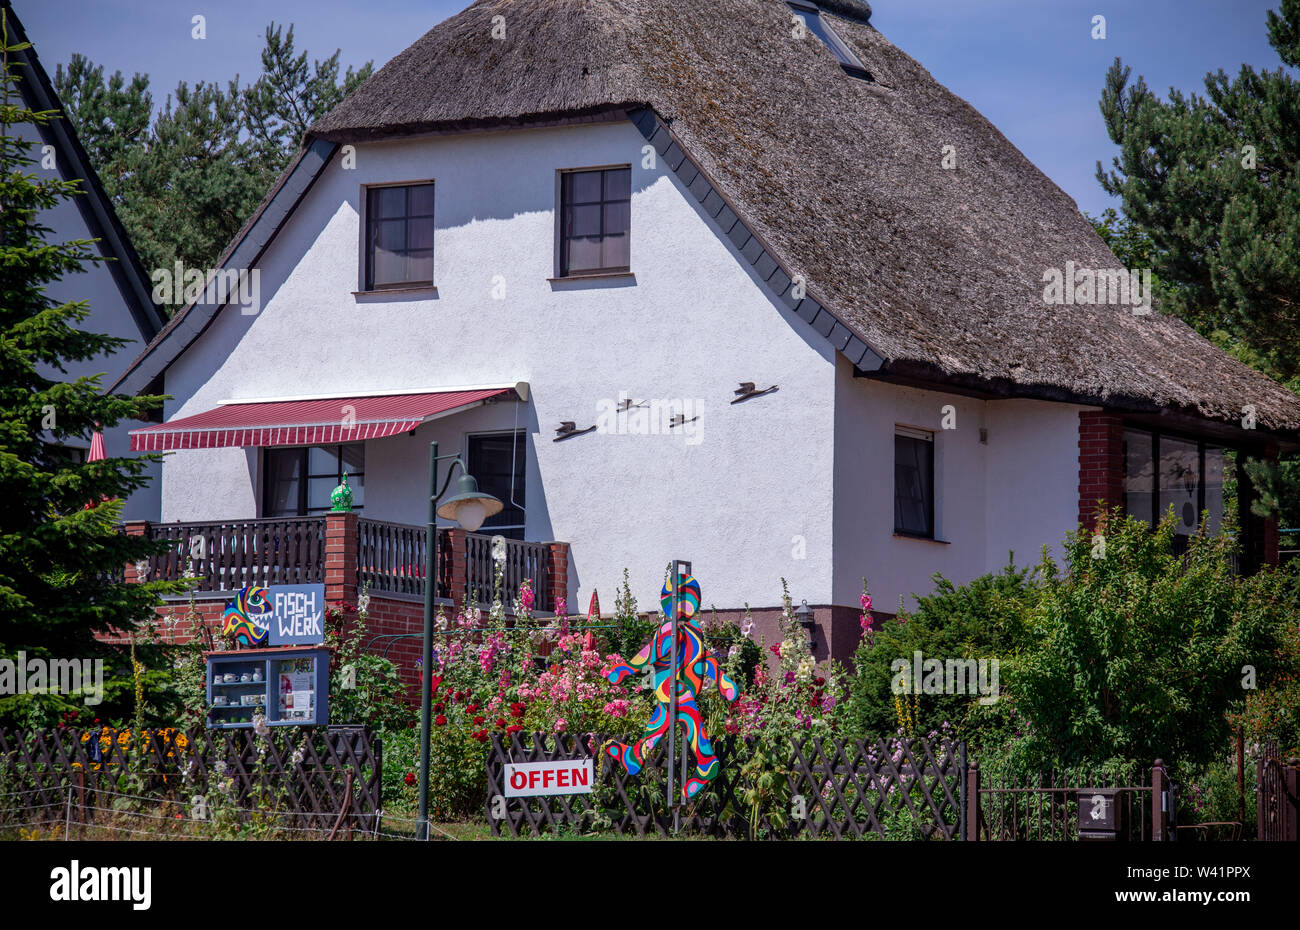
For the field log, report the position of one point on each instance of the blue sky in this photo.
(1030, 66)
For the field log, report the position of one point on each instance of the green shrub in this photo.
(1136, 653)
(981, 620)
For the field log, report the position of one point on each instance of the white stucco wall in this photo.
(1017, 492)
(1032, 479)
(108, 315)
(692, 325)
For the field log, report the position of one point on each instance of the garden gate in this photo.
(1277, 796)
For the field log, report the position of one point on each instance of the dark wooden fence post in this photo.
(1291, 801)
(972, 815)
(1158, 785)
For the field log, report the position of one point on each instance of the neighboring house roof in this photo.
(94, 205)
(926, 274)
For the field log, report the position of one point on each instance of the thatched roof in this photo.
(938, 271)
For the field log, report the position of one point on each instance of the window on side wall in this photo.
(297, 482)
(913, 482)
(496, 460)
(595, 221)
(399, 236)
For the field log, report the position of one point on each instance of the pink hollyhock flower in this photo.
(561, 725)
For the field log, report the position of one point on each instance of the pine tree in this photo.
(61, 553)
(183, 181)
(1215, 182)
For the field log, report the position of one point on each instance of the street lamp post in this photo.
(469, 507)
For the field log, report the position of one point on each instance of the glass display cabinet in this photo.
(290, 686)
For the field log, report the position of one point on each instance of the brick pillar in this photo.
(1101, 463)
(454, 541)
(340, 557)
(557, 573)
(134, 528)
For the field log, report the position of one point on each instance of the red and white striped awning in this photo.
(305, 422)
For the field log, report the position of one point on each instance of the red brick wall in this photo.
(175, 625)
(386, 617)
(1101, 463)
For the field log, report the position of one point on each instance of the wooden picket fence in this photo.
(830, 788)
(318, 775)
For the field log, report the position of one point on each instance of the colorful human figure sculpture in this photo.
(244, 615)
(694, 666)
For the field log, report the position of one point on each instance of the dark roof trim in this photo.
(912, 375)
(94, 205)
(774, 274)
(243, 253)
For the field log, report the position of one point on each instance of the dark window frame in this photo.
(305, 477)
(1250, 557)
(929, 502)
(519, 469)
(369, 225)
(1156, 435)
(563, 221)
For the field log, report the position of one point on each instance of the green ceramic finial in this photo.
(341, 497)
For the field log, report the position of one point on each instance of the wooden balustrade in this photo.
(226, 555)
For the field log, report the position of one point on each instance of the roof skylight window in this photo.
(810, 13)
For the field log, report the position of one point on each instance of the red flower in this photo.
(514, 728)
(410, 778)
(775, 649)
(501, 723)
(440, 720)
(480, 735)
(517, 710)
(439, 707)
(472, 709)
(478, 721)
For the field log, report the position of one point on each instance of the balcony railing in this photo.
(524, 560)
(229, 554)
(226, 555)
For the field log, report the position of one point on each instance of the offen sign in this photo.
(565, 776)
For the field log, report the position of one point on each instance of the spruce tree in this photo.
(61, 552)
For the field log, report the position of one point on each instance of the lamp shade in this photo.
(469, 506)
